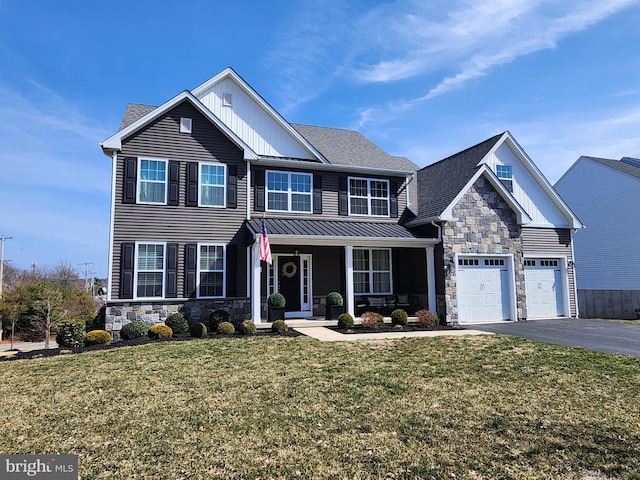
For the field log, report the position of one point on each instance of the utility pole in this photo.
(2, 240)
(88, 285)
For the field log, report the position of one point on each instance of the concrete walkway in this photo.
(327, 335)
(5, 348)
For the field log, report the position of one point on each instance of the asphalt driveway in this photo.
(596, 335)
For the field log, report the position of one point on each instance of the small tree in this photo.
(47, 308)
(11, 307)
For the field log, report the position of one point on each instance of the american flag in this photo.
(265, 248)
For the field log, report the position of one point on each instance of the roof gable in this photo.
(619, 165)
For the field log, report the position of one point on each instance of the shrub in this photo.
(159, 330)
(345, 320)
(177, 323)
(198, 330)
(133, 330)
(226, 328)
(247, 328)
(334, 298)
(217, 317)
(97, 337)
(371, 320)
(279, 326)
(399, 317)
(276, 300)
(71, 333)
(426, 318)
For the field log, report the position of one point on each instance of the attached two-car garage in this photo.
(486, 288)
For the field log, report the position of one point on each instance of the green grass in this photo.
(466, 408)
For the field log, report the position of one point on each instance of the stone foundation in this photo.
(119, 314)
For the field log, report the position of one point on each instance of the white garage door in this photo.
(544, 288)
(483, 289)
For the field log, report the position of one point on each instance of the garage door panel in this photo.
(544, 288)
(483, 290)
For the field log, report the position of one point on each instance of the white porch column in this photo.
(431, 279)
(256, 277)
(348, 257)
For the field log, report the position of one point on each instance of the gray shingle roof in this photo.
(442, 181)
(328, 228)
(133, 112)
(349, 147)
(618, 165)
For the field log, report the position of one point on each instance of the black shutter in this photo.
(317, 193)
(343, 208)
(232, 187)
(232, 270)
(190, 269)
(171, 288)
(258, 175)
(174, 183)
(393, 199)
(130, 180)
(192, 185)
(127, 255)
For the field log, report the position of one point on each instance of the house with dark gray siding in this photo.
(479, 236)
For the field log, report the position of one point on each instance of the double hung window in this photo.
(150, 270)
(505, 174)
(211, 270)
(372, 271)
(289, 191)
(368, 197)
(152, 181)
(212, 185)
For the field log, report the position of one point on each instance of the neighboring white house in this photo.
(605, 194)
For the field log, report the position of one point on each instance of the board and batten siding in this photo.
(181, 224)
(547, 242)
(330, 196)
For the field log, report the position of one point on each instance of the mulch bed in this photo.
(387, 327)
(52, 352)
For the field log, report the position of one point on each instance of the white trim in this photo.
(256, 280)
(350, 294)
(575, 276)
(135, 270)
(431, 279)
(288, 192)
(355, 241)
(290, 163)
(273, 283)
(563, 263)
(224, 270)
(139, 180)
(112, 214)
(249, 199)
(186, 125)
(224, 184)
(369, 198)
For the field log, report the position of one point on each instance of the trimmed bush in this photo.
(226, 328)
(276, 300)
(217, 317)
(97, 337)
(159, 330)
(371, 320)
(71, 333)
(399, 317)
(279, 326)
(247, 328)
(345, 320)
(427, 319)
(177, 323)
(198, 330)
(334, 298)
(133, 330)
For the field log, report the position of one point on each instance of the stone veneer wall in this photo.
(483, 223)
(118, 315)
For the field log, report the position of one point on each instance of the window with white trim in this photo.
(212, 184)
(505, 174)
(149, 275)
(368, 197)
(211, 271)
(152, 181)
(372, 271)
(289, 191)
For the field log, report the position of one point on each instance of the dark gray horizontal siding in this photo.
(180, 224)
(551, 241)
(330, 197)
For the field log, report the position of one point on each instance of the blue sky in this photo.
(422, 79)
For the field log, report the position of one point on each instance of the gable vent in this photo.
(226, 100)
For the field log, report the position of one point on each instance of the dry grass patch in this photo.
(474, 407)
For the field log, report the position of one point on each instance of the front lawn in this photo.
(466, 408)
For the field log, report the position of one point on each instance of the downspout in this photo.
(413, 175)
(112, 213)
(575, 277)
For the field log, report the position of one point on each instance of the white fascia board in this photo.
(232, 74)
(539, 177)
(345, 241)
(114, 143)
(284, 162)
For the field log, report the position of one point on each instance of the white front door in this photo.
(482, 289)
(543, 286)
